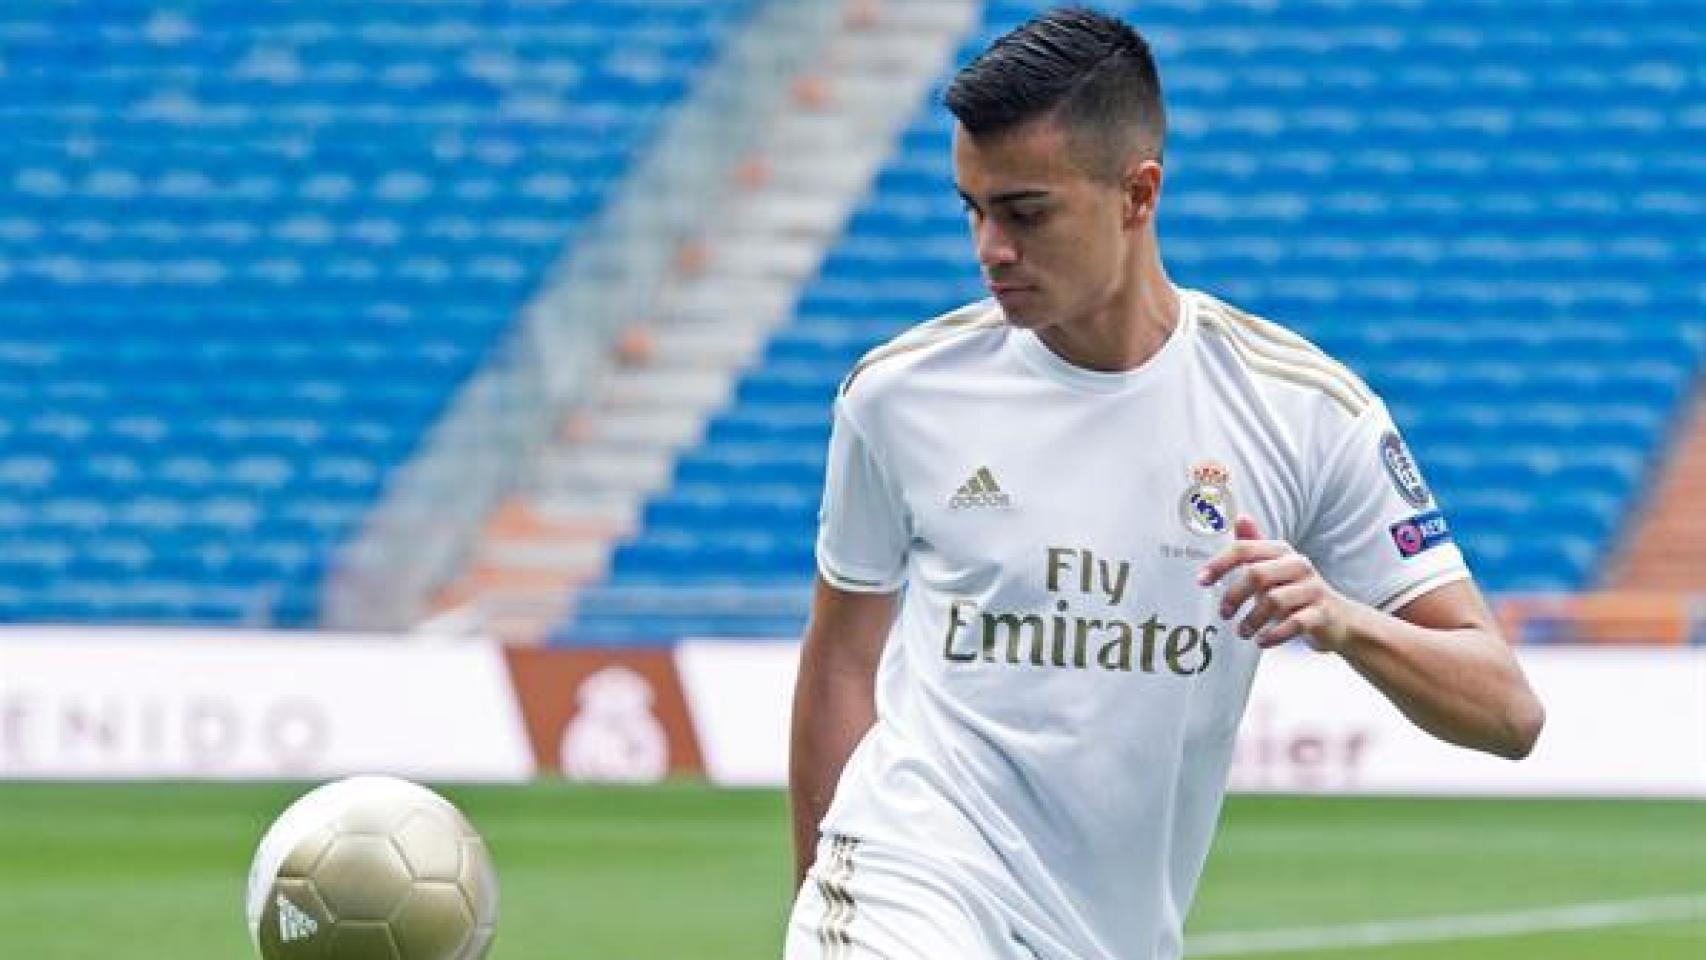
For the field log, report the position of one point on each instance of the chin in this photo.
(1025, 318)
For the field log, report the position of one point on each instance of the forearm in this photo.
(1460, 684)
(833, 710)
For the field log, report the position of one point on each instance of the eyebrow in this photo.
(1011, 196)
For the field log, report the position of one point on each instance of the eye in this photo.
(1027, 217)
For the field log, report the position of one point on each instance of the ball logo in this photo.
(616, 737)
(293, 922)
(1206, 509)
(1401, 468)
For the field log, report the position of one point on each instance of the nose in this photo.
(994, 248)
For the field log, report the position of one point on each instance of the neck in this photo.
(1130, 328)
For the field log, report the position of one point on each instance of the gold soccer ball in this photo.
(372, 868)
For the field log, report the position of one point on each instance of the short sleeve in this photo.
(1375, 531)
(863, 524)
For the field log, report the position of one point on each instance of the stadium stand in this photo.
(1489, 209)
(249, 249)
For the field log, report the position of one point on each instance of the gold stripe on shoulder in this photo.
(1314, 377)
(977, 316)
(1265, 336)
(1306, 352)
(1271, 349)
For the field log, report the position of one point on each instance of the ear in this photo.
(1142, 186)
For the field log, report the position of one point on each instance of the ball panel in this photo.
(431, 844)
(434, 922)
(378, 814)
(362, 941)
(294, 922)
(301, 859)
(362, 877)
(478, 881)
(479, 944)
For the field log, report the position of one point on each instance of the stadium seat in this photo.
(248, 252)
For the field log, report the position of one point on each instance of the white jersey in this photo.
(1057, 699)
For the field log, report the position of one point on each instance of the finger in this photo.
(1237, 555)
(1247, 536)
(1240, 589)
(1296, 625)
(1280, 601)
(1278, 606)
(1291, 597)
(1279, 633)
(1260, 614)
(1245, 528)
(1263, 575)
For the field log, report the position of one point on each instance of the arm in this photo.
(1440, 659)
(834, 703)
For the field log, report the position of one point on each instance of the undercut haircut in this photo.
(1089, 71)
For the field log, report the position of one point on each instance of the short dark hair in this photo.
(1089, 70)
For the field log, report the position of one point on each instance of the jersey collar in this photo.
(1046, 362)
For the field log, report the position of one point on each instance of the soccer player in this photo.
(1059, 526)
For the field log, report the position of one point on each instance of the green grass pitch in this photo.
(689, 873)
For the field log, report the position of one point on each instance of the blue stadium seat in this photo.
(248, 251)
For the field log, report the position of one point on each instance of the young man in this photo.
(1104, 496)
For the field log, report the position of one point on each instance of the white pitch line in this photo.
(1378, 933)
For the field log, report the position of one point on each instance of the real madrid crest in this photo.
(1206, 508)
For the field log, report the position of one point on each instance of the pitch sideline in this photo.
(1468, 926)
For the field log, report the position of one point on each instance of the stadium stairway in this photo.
(670, 372)
(1666, 547)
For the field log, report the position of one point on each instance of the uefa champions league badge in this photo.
(1401, 468)
(1206, 508)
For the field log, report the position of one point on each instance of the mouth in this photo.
(1008, 289)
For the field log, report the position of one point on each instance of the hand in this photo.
(1291, 598)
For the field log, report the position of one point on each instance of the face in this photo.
(1054, 243)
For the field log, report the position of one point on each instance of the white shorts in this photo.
(860, 902)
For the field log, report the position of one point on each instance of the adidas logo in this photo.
(980, 490)
(293, 922)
